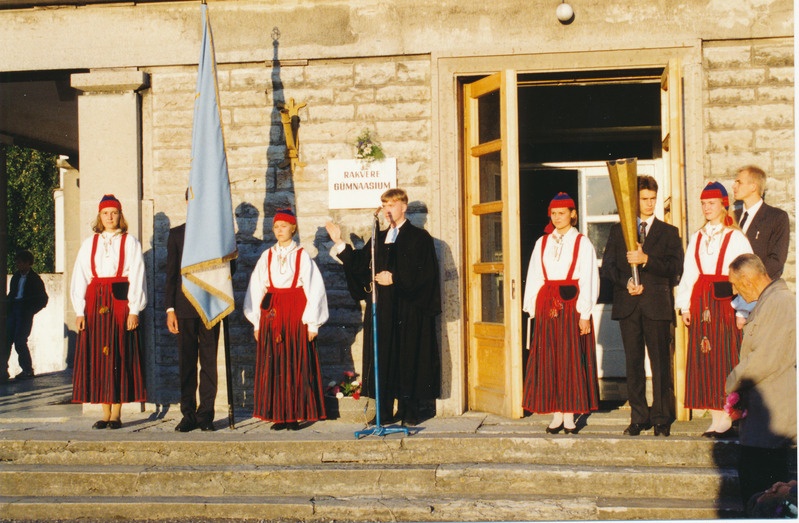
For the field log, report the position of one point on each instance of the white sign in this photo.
(357, 184)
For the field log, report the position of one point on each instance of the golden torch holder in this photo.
(624, 180)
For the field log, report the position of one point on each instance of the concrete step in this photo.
(348, 508)
(452, 479)
(228, 449)
(474, 467)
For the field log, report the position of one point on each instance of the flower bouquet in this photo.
(348, 386)
(367, 149)
(733, 407)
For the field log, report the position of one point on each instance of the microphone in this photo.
(378, 211)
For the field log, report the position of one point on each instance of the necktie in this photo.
(743, 220)
(392, 235)
(642, 232)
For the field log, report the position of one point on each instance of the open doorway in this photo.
(525, 137)
(569, 126)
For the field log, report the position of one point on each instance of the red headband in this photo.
(109, 200)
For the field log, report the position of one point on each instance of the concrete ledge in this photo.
(110, 81)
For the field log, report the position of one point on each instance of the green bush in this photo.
(32, 177)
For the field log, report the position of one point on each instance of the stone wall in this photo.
(749, 119)
(390, 96)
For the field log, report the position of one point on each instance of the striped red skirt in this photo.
(288, 380)
(108, 366)
(714, 343)
(561, 371)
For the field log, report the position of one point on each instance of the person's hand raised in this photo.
(334, 231)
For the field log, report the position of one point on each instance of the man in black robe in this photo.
(408, 301)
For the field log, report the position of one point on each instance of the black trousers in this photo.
(18, 329)
(196, 343)
(638, 335)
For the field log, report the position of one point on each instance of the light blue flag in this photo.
(210, 241)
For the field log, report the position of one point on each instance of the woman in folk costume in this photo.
(286, 303)
(561, 291)
(704, 298)
(108, 293)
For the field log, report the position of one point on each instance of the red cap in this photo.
(285, 215)
(561, 200)
(715, 190)
(109, 200)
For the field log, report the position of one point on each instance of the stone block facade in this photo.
(391, 97)
(749, 117)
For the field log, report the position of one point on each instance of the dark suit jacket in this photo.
(661, 273)
(174, 297)
(34, 296)
(769, 233)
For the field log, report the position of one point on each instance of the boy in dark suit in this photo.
(768, 228)
(194, 341)
(645, 312)
(26, 297)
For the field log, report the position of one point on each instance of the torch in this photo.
(624, 180)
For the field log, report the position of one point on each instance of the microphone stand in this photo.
(378, 429)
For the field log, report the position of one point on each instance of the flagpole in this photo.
(210, 243)
(378, 429)
(228, 373)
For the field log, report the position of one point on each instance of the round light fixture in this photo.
(565, 13)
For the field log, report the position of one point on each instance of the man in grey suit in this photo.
(768, 228)
(645, 312)
(765, 378)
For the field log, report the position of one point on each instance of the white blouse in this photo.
(557, 260)
(712, 238)
(284, 260)
(106, 261)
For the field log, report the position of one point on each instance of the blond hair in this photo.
(396, 194)
(98, 227)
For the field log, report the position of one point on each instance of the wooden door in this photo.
(671, 116)
(493, 258)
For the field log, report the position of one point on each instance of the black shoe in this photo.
(663, 430)
(709, 434)
(115, 424)
(278, 426)
(410, 422)
(567, 430)
(554, 430)
(635, 429)
(100, 424)
(5, 379)
(294, 425)
(25, 375)
(727, 434)
(207, 426)
(185, 426)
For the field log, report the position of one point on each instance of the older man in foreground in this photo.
(765, 378)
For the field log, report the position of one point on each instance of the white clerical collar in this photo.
(400, 224)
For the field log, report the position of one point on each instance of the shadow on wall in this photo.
(450, 303)
(161, 355)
